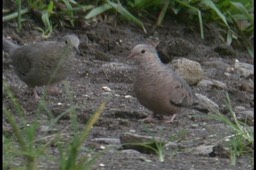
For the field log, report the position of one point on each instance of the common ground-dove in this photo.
(158, 87)
(42, 63)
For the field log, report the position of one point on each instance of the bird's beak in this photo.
(77, 50)
(131, 56)
(156, 44)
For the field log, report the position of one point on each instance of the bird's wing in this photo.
(180, 96)
(21, 61)
(26, 57)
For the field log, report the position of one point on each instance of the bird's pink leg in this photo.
(52, 89)
(149, 119)
(35, 94)
(171, 120)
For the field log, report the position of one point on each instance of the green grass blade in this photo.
(25, 150)
(19, 15)
(162, 13)
(72, 1)
(229, 37)
(71, 14)
(98, 10)
(199, 16)
(90, 123)
(77, 9)
(243, 10)
(15, 128)
(50, 7)
(79, 140)
(120, 9)
(46, 20)
(250, 51)
(142, 4)
(210, 4)
(15, 14)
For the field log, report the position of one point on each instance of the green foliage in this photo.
(153, 145)
(242, 140)
(239, 146)
(198, 14)
(26, 145)
(233, 16)
(157, 145)
(144, 4)
(119, 8)
(72, 153)
(237, 17)
(27, 149)
(52, 14)
(19, 14)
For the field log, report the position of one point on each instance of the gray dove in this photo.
(156, 86)
(42, 63)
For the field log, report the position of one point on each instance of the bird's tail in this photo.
(8, 46)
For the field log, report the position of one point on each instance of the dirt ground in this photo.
(84, 88)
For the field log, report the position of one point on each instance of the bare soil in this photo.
(103, 42)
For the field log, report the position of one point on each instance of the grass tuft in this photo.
(241, 142)
(27, 146)
(235, 18)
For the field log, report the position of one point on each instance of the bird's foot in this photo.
(36, 96)
(149, 119)
(53, 90)
(171, 120)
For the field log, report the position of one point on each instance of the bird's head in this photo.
(72, 40)
(143, 53)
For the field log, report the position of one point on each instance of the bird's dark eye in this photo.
(143, 51)
(66, 41)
